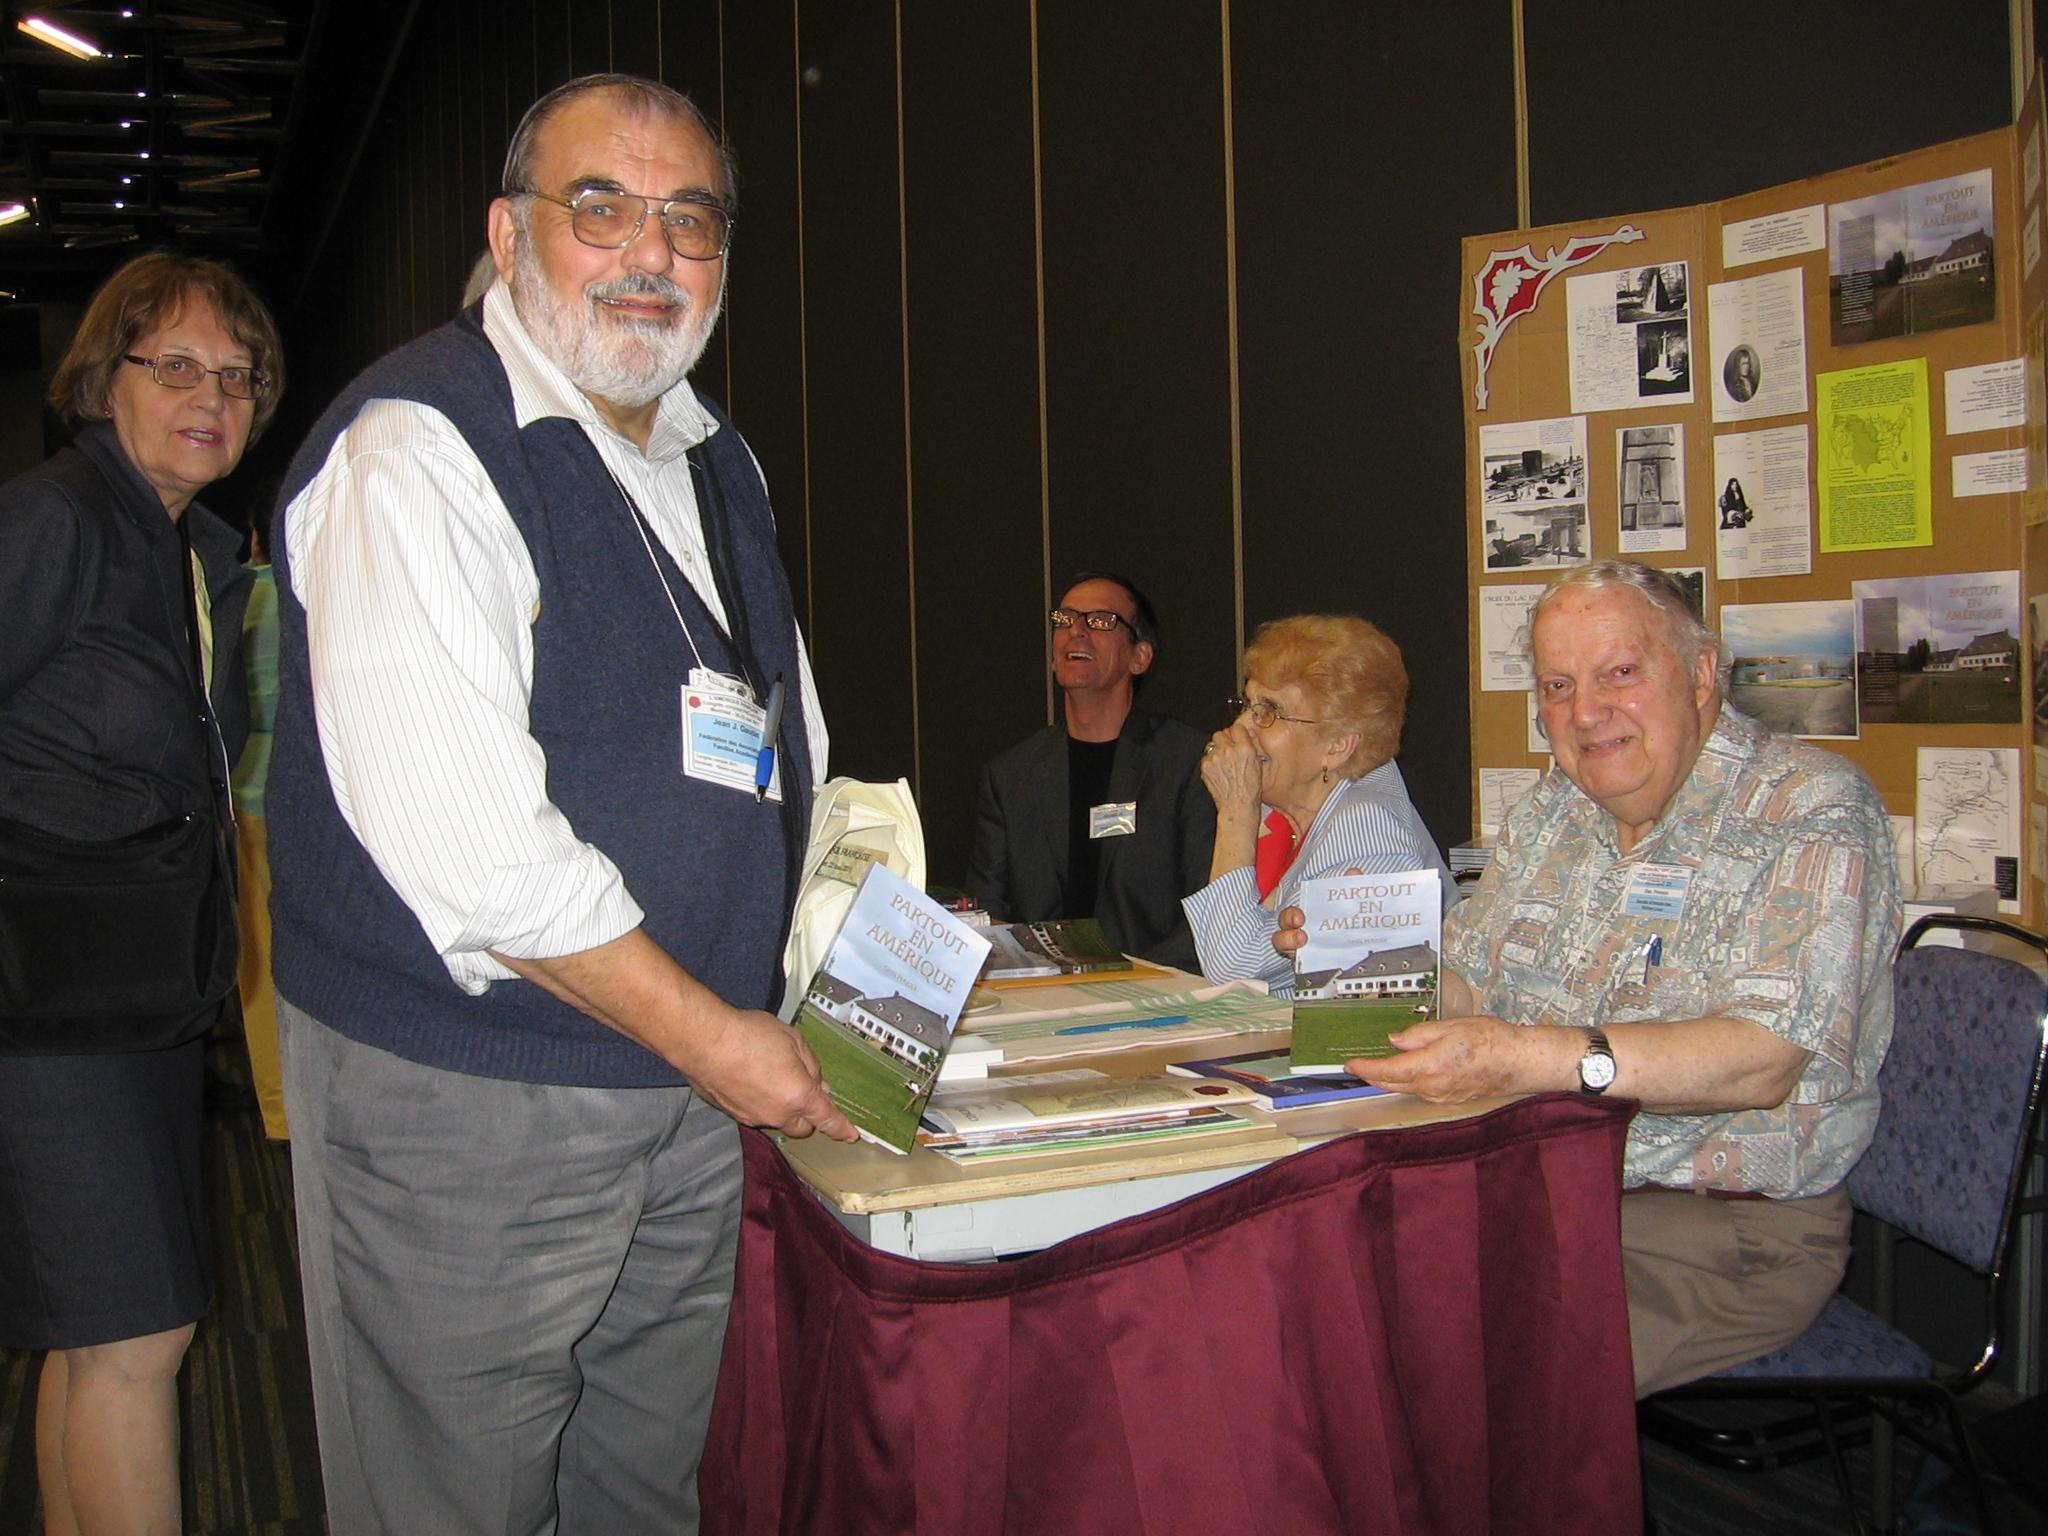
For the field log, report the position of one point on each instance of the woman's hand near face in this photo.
(1233, 769)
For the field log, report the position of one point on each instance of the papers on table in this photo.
(1092, 1016)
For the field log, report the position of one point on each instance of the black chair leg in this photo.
(1966, 1458)
(1884, 1476)
(1824, 1415)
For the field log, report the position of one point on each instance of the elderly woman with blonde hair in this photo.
(1305, 786)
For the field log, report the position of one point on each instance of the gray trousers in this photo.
(515, 1293)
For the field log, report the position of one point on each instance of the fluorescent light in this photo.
(13, 213)
(57, 37)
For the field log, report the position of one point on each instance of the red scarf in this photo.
(1274, 851)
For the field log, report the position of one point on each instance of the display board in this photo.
(1827, 399)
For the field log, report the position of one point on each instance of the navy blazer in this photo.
(1019, 865)
(99, 731)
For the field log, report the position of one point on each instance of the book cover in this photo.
(1272, 1077)
(880, 1010)
(1067, 946)
(1369, 966)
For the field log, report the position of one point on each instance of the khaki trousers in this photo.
(1712, 1283)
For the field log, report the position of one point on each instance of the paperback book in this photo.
(1271, 1075)
(1054, 1111)
(880, 1011)
(1368, 968)
(1067, 946)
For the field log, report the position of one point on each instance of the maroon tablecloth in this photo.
(1414, 1331)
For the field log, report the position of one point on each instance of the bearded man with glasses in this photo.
(529, 905)
(1102, 815)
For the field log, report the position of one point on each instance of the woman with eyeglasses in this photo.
(1305, 786)
(124, 603)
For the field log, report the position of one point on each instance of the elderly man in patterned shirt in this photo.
(1704, 914)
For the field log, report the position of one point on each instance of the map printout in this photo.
(1874, 467)
(1967, 819)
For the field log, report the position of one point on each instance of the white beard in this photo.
(625, 361)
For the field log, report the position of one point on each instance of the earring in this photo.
(1326, 773)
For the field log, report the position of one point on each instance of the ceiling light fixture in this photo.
(69, 42)
(13, 213)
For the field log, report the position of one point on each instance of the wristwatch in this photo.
(1596, 1067)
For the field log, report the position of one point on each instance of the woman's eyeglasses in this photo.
(175, 372)
(1263, 712)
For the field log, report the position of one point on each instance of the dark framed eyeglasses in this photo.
(1263, 712)
(175, 372)
(1099, 619)
(697, 230)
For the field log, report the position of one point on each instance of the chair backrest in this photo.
(1961, 1091)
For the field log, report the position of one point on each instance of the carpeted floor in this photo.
(251, 1468)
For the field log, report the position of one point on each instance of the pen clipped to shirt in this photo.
(1653, 956)
(771, 735)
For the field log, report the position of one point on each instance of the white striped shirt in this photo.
(1367, 824)
(420, 596)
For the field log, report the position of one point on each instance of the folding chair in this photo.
(1961, 1108)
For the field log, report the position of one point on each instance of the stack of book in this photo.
(1270, 1075)
(1076, 1110)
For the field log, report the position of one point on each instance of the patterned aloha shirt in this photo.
(1767, 891)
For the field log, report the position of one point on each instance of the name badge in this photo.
(722, 737)
(1117, 820)
(1656, 890)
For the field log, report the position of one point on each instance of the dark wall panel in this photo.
(589, 35)
(1766, 93)
(635, 43)
(862, 601)
(689, 59)
(1357, 172)
(973, 331)
(762, 335)
(1136, 304)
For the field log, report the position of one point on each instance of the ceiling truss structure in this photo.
(178, 135)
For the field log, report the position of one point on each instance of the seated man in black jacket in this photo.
(1103, 815)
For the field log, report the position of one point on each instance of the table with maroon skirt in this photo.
(1416, 1329)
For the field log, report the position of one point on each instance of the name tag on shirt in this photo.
(1656, 890)
(722, 734)
(1115, 820)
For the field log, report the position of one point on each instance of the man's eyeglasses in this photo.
(1263, 712)
(175, 372)
(611, 221)
(1099, 619)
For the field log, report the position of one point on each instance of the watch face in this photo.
(1596, 1070)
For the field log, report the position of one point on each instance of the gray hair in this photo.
(638, 94)
(1670, 598)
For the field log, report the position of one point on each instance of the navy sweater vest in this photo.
(714, 871)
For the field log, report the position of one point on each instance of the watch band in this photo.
(1597, 1066)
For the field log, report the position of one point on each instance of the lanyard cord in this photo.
(647, 543)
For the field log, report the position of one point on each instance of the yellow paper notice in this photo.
(1873, 464)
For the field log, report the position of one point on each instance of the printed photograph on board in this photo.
(1912, 260)
(2037, 618)
(1939, 650)
(1533, 487)
(1793, 665)
(1631, 337)
(1651, 495)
